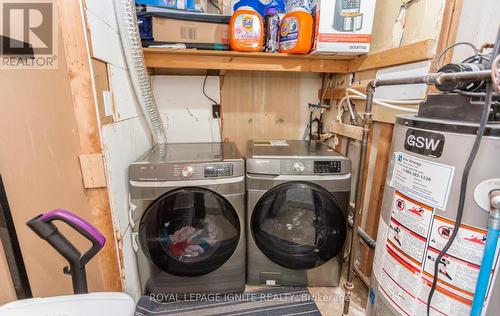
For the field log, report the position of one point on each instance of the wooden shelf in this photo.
(229, 60)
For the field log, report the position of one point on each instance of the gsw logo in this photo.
(424, 143)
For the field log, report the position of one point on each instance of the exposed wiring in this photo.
(205, 94)
(214, 103)
(352, 94)
(340, 109)
(464, 181)
(474, 94)
(439, 60)
(311, 112)
(400, 102)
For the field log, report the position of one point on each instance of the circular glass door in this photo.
(298, 225)
(189, 231)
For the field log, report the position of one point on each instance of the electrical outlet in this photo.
(216, 110)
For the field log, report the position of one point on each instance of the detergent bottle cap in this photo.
(304, 5)
(246, 7)
(275, 6)
(255, 5)
(301, 9)
(270, 11)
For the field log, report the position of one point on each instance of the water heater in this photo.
(420, 203)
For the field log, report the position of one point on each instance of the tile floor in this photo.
(330, 299)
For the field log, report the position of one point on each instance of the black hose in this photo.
(320, 125)
(464, 182)
(310, 124)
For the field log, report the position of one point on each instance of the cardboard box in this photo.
(343, 26)
(206, 29)
(192, 5)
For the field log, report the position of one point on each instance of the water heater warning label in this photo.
(404, 265)
(468, 245)
(409, 226)
(426, 181)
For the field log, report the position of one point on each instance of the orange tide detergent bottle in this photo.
(246, 30)
(296, 32)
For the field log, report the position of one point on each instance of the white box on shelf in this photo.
(342, 26)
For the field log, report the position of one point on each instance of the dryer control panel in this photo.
(218, 170)
(304, 167)
(327, 167)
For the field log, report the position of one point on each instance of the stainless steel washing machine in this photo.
(188, 215)
(298, 193)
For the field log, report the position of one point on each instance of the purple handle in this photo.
(79, 222)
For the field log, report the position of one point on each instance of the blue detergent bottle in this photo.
(272, 25)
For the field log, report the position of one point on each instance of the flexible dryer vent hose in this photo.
(132, 49)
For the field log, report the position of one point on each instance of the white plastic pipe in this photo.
(401, 102)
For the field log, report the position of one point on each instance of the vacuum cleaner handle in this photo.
(42, 225)
(81, 226)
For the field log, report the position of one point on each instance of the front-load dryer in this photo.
(297, 198)
(187, 203)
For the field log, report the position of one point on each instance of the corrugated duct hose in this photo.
(132, 50)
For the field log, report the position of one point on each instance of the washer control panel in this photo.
(218, 170)
(187, 171)
(298, 167)
(303, 167)
(327, 167)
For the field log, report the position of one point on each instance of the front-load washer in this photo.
(187, 209)
(297, 199)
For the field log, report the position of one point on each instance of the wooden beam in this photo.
(449, 29)
(447, 35)
(339, 93)
(192, 59)
(377, 185)
(423, 50)
(230, 60)
(79, 68)
(365, 190)
(347, 130)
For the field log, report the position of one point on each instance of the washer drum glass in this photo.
(189, 231)
(298, 225)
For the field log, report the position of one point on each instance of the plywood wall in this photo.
(7, 292)
(40, 168)
(266, 105)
